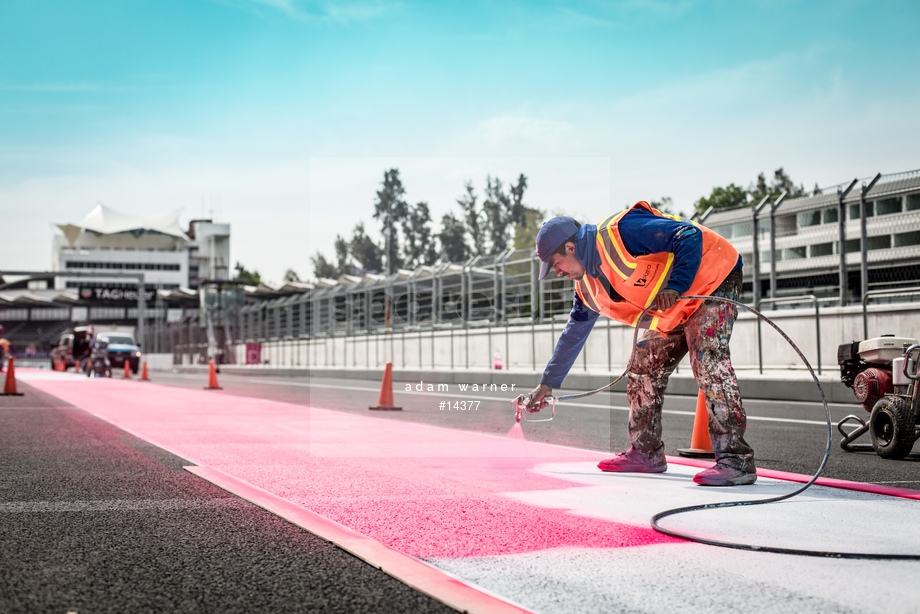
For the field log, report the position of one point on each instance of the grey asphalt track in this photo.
(786, 435)
(94, 520)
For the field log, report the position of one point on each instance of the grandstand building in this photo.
(92, 257)
(208, 252)
(807, 239)
(107, 241)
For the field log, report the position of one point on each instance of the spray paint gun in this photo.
(520, 403)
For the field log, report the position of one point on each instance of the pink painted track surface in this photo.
(422, 490)
(537, 526)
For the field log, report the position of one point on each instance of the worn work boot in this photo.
(724, 475)
(624, 463)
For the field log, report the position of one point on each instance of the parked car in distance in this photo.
(121, 348)
(71, 348)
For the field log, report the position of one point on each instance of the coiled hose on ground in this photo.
(712, 506)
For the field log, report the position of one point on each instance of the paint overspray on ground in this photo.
(515, 432)
(536, 523)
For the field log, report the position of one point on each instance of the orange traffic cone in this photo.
(212, 379)
(9, 389)
(144, 377)
(127, 374)
(385, 400)
(700, 444)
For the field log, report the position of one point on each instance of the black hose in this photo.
(712, 506)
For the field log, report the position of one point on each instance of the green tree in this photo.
(341, 254)
(497, 213)
(491, 227)
(525, 235)
(322, 268)
(518, 209)
(389, 208)
(420, 245)
(365, 252)
(721, 198)
(781, 183)
(732, 195)
(472, 218)
(291, 275)
(453, 239)
(251, 278)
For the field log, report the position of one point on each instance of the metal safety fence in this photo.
(499, 289)
(455, 315)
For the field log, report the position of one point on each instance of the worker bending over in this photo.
(632, 260)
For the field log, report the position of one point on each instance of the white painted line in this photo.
(285, 382)
(577, 404)
(508, 400)
(119, 505)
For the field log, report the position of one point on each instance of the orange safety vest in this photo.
(637, 279)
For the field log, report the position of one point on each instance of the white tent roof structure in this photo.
(104, 220)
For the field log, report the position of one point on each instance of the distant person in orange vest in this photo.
(627, 262)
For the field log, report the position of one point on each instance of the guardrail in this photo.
(882, 293)
(792, 299)
(32, 362)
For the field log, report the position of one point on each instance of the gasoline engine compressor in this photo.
(882, 372)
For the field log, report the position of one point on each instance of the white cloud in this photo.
(332, 10)
(513, 134)
(684, 136)
(266, 206)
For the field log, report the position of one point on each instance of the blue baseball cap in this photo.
(553, 234)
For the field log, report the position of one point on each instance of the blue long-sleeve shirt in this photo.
(642, 233)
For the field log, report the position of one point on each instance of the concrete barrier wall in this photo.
(158, 362)
(607, 348)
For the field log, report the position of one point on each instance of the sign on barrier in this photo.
(253, 353)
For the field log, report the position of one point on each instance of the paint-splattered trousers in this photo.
(705, 335)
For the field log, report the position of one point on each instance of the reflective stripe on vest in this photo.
(613, 253)
(639, 279)
(587, 296)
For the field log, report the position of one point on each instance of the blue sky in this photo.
(280, 116)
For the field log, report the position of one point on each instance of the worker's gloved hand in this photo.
(536, 395)
(666, 299)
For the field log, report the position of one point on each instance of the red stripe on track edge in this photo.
(876, 489)
(406, 569)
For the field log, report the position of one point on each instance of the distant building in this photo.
(107, 241)
(208, 252)
(807, 252)
(37, 310)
